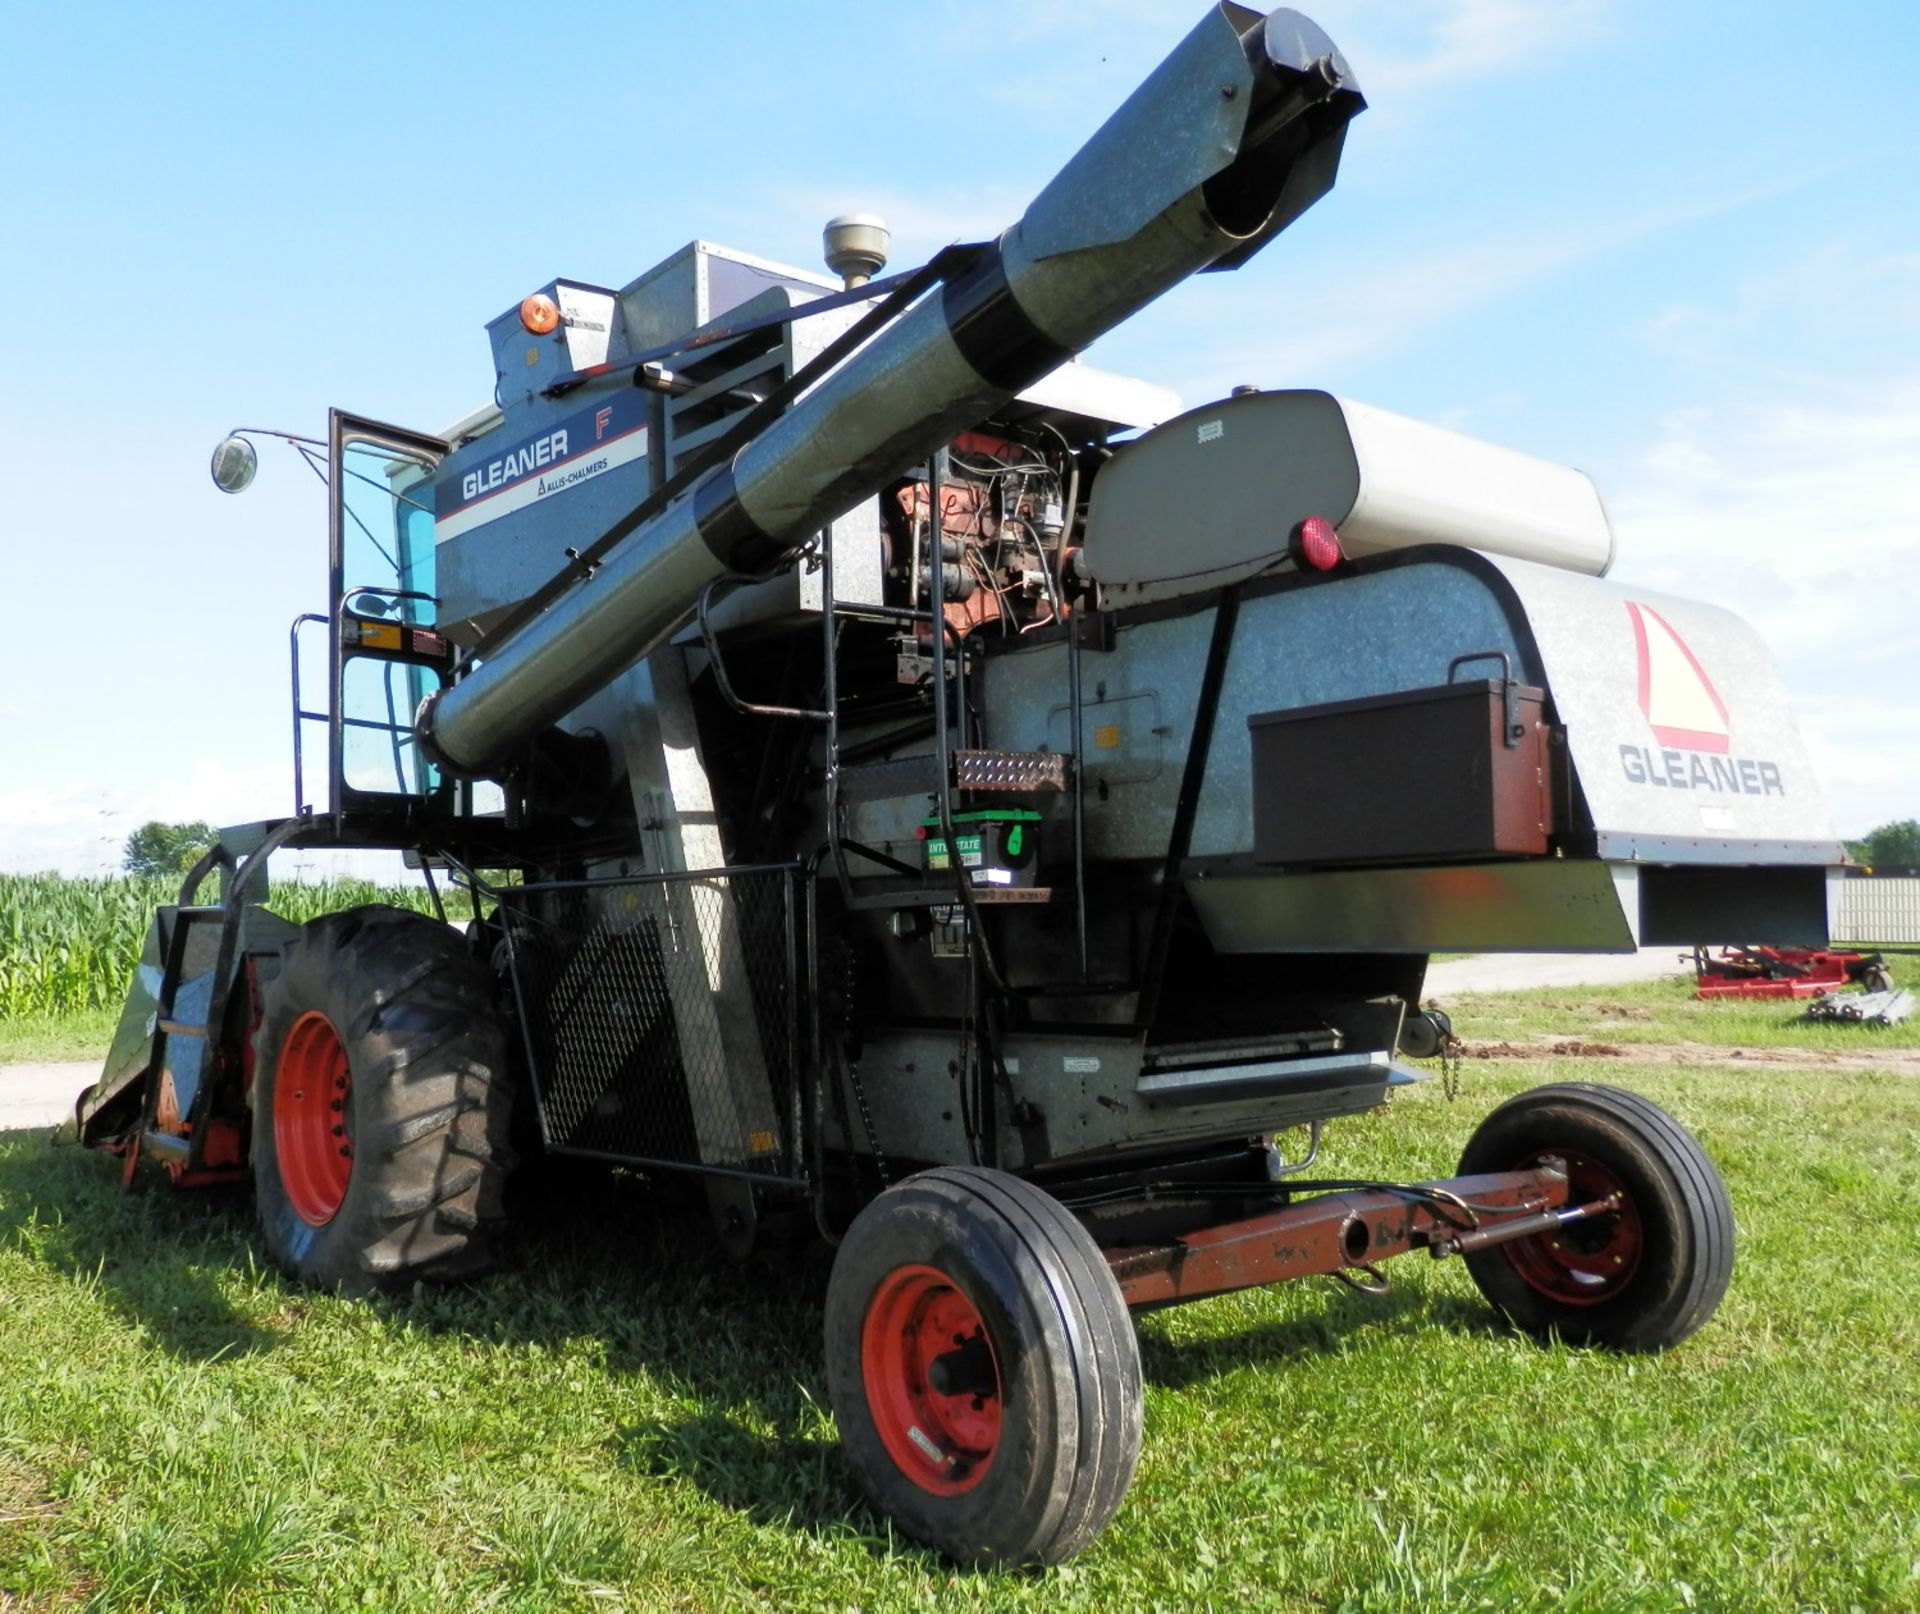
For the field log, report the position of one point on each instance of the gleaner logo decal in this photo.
(1681, 704)
(590, 442)
(1689, 720)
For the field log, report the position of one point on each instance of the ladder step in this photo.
(165, 1144)
(1026, 771)
(890, 780)
(1228, 1084)
(872, 894)
(180, 1028)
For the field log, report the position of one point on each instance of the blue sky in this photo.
(1676, 245)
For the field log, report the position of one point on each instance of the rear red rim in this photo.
(312, 1119)
(921, 1332)
(1585, 1262)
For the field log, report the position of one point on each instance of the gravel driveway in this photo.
(1512, 972)
(42, 1094)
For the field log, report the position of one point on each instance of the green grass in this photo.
(1666, 1011)
(619, 1420)
(57, 1036)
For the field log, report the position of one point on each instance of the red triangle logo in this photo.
(1677, 697)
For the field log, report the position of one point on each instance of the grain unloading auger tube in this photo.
(1234, 136)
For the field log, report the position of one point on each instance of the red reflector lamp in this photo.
(1315, 545)
(539, 314)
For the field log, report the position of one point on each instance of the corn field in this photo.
(68, 946)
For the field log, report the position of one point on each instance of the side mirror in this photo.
(234, 464)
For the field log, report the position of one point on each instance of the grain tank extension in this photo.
(907, 782)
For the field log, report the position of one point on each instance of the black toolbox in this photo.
(1457, 770)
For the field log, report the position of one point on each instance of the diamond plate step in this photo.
(1030, 771)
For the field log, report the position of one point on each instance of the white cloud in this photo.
(1050, 70)
(1470, 39)
(1397, 50)
(1371, 311)
(1783, 327)
(82, 829)
(1804, 519)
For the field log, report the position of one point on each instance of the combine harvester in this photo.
(954, 797)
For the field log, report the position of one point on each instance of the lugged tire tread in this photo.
(428, 1051)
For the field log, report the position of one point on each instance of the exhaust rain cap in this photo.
(856, 246)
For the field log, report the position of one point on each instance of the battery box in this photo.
(999, 846)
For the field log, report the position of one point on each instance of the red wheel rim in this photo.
(1587, 1262)
(921, 1331)
(312, 1121)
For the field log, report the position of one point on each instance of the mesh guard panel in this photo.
(660, 1016)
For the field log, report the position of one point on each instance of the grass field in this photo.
(619, 1420)
(1665, 1011)
(68, 946)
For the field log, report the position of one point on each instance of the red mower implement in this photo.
(1785, 973)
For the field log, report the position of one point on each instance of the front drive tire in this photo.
(381, 1104)
(1642, 1279)
(983, 1368)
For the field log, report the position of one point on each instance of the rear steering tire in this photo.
(983, 1368)
(381, 1104)
(1641, 1278)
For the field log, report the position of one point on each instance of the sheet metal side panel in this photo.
(1378, 634)
(1548, 905)
(1738, 787)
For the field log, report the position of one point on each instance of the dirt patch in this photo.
(24, 1493)
(1902, 1062)
(1562, 1049)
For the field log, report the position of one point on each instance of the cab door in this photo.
(386, 653)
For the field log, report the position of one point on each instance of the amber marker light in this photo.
(539, 315)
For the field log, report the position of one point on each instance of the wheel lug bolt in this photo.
(338, 1105)
(345, 1152)
(339, 1132)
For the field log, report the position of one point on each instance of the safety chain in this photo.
(866, 1121)
(1450, 1048)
